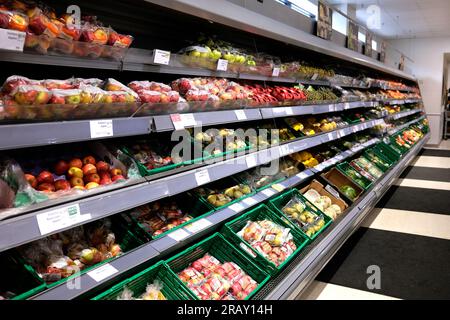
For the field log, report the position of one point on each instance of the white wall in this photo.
(428, 68)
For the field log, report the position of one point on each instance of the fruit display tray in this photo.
(126, 239)
(44, 44)
(345, 167)
(224, 251)
(276, 204)
(336, 179)
(262, 212)
(170, 288)
(187, 203)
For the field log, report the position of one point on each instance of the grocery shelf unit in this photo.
(23, 228)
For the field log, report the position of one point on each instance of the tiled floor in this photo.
(445, 144)
(406, 234)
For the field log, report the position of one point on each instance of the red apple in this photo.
(105, 180)
(62, 185)
(102, 166)
(116, 172)
(89, 160)
(77, 181)
(61, 167)
(31, 180)
(76, 162)
(46, 187)
(117, 177)
(45, 177)
(89, 169)
(94, 177)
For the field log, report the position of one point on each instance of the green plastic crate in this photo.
(245, 178)
(401, 148)
(124, 237)
(19, 278)
(196, 208)
(228, 182)
(387, 152)
(279, 202)
(262, 212)
(171, 288)
(372, 155)
(224, 251)
(344, 167)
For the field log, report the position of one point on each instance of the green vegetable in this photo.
(348, 191)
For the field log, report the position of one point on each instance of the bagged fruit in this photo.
(72, 96)
(119, 97)
(148, 96)
(119, 40)
(92, 82)
(51, 84)
(91, 94)
(31, 94)
(94, 34)
(40, 24)
(114, 85)
(13, 20)
(13, 82)
(149, 85)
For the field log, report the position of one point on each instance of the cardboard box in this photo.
(316, 185)
(336, 179)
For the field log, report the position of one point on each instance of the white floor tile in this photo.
(432, 162)
(412, 222)
(326, 291)
(427, 184)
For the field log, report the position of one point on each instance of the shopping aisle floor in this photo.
(407, 237)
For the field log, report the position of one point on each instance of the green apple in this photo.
(75, 99)
(194, 53)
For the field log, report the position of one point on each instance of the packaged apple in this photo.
(13, 20)
(149, 85)
(41, 24)
(114, 85)
(62, 255)
(152, 292)
(13, 82)
(31, 94)
(302, 215)
(51, 84)
(79, 83)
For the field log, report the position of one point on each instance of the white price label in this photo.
(57, 219)
(330, 136)
(161, 57)
(222, 65)
(278, 187)
(12, 40)
(289, 111)
(355, 129)
(198, 225)
(102, 272)
(319, 167)
(250, 201)
(237, 207)
(181, 121)
(240, 114)
(178, 235)
(101, 128)
(275, 72)
(279, 110)
(250, 160)
(302, 176)
(339, 157)
(346, 106)
(202, 177)
(268, 192)
(315, 76)
(332, 108)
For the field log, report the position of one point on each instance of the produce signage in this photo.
(12, 40)
(352, 36)
(324, 22)
(368, 46)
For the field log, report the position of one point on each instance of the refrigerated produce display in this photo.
(215, 164)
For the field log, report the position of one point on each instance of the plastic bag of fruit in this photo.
(301, 214)
(31, 94)
(114, 85)
(14, 189)
(12, 82)
(13, 20)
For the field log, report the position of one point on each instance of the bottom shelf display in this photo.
(253, 251)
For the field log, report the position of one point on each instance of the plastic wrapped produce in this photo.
(31, 94)
(13, 20)
(301, 214)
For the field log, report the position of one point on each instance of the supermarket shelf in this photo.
(405, 125)
(14, 136)
(25, 228)
(23, 135)
(242, 18)
(163, 246)
(277, 112)
(401, 101)
(403, 114)
(292, 285)
(164, 122)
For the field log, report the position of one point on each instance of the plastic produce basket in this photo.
(171, 288)
(217, 246)
(386, 151)
(402, 149)
(125, 238)
(19, 278)
(188, 204)
(262, 212)
(222, 185)
(378, 159)
(345, 167)
(279, 202)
